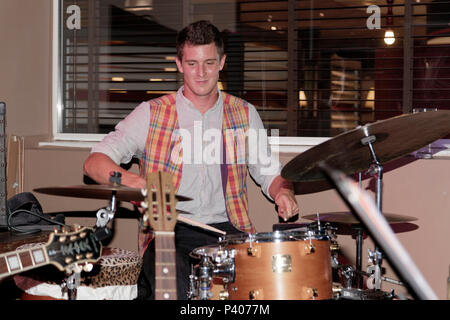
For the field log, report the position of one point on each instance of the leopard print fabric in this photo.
(116, 267)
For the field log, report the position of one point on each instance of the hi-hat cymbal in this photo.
(349, 218)
(347, 224)
(392, 139)
(97, 191)
(399, 227)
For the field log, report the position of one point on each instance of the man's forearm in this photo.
(280, 184)
(99, 166)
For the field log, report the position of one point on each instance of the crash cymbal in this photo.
(350, 219)
(393, 138)
(97, 191)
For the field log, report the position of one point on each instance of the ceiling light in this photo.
(389, 37)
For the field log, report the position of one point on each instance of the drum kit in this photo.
(300, 262)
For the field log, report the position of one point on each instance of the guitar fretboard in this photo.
(22, 260)
(165, 266)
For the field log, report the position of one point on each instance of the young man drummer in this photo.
(218, 188)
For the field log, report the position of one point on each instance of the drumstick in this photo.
(199, 224)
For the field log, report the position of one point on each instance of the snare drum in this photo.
(114, 277)
(280, 266)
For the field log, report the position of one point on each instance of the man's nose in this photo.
(201, 69)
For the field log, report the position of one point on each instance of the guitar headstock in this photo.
(66, 249)
(161, 213)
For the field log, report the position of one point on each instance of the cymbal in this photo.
(346, 224)
(352, 230)
(350, 219)
(394, 138)
(97, 191)
(307, 187)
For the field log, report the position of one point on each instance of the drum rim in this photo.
(276, 236)
(195, 252)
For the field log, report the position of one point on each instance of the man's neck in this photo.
(202, 103)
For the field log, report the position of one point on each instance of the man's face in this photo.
(200, 66)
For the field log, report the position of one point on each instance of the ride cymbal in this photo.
(391, 139)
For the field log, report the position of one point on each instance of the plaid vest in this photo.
(163, 152)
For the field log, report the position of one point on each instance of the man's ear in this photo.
(222, 61)
(179, 65)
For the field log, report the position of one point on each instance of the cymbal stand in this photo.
(359, 241)
(376, 169)
(104, 215)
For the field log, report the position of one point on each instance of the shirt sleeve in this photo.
(129, 137)
(264, 166)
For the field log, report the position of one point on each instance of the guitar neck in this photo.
(22, 260)
(165, 266)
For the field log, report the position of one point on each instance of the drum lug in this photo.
(255, 294)
(311, 293)
(224, 295)
(252, 252)
(334, 247)
(336, 290)
(308, 248)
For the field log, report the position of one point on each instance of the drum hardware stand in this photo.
(376, 169)
(359, 241)
(104, 215)
(71, 285)
(349, 273)
(203, 274)
(73, 280)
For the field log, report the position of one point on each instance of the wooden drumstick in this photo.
(199, 224)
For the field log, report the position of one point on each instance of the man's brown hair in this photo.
(200, 33)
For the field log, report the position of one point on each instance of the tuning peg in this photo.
(144, 192)
(144, 204)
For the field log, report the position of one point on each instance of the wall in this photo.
(25, 61)
(419, 188)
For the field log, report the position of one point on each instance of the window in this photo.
(311, 68)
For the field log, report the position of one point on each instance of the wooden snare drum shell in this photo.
(310, 275)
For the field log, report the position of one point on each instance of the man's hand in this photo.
(287, 205)
(282, 192)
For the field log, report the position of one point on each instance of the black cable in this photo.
(32, 231)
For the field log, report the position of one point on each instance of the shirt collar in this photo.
(186, 103)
